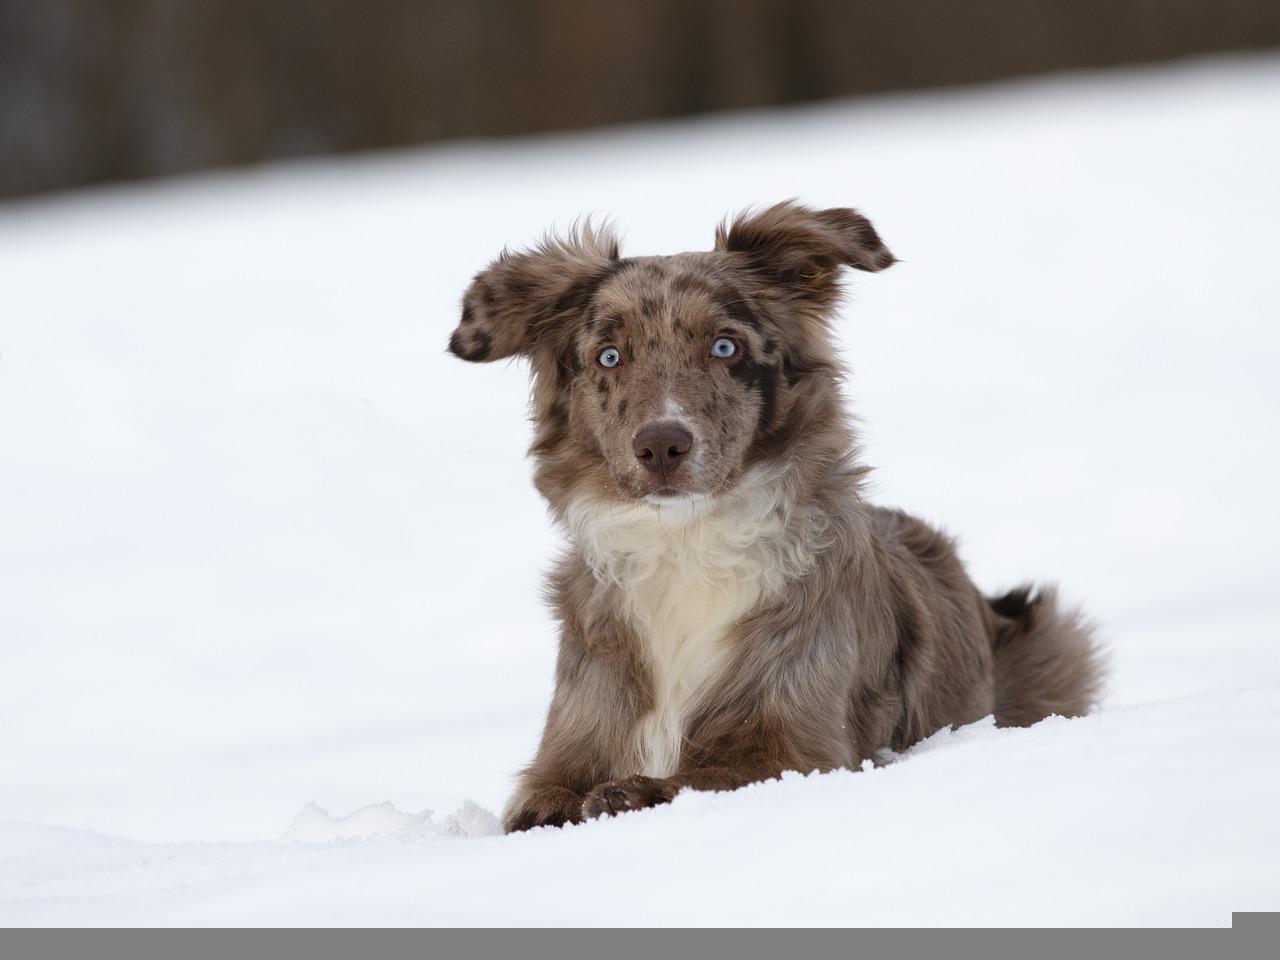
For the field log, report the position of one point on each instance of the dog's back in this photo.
(960, 655)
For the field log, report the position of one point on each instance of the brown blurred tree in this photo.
(94, 90)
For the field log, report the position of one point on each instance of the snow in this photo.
(269, 559)
(1093, 821)
(314, 824)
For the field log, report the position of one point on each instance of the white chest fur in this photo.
(682, 612)
(684, 573)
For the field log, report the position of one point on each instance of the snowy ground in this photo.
(237, 575)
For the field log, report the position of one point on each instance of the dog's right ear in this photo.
(513, 304)
(797, 252)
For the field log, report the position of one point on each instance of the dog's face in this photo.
(676, 377)
(663, 378)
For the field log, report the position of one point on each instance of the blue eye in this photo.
(610, 357)
(723, 348)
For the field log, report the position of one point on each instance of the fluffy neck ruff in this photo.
(757, 532)
(683, 573)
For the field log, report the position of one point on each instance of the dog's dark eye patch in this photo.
(763, 379)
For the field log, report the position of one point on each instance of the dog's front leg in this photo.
(628, 793)
(547, 806)
(552, 789)
(589, 717)
(735, 755)
(637, 792)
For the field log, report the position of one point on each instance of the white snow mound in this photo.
(314, 824)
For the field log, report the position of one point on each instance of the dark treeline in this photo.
(94, 90)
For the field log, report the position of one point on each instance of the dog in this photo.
(730, 606)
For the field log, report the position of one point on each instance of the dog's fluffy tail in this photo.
(1046, 660)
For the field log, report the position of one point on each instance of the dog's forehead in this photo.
(683, 284)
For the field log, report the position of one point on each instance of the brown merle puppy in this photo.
(730, 606)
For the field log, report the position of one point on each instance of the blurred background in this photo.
(94, 91)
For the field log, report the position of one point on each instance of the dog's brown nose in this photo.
(662, 448)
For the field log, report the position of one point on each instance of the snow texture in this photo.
(263, 542)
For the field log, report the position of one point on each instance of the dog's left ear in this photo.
(520, 300)
(798, 252)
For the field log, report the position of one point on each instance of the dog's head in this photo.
(657, 378)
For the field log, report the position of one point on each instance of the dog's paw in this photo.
(627, 793)
(549, 807)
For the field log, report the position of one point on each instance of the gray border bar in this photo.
(1251, 935)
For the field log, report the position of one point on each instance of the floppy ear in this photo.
(799, 251)
(512, 305)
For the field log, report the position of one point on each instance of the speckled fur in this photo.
(756, 614)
